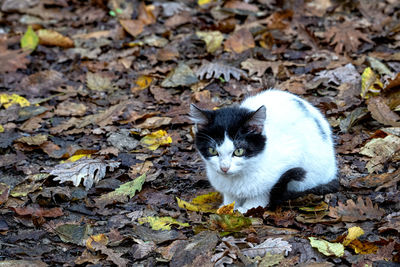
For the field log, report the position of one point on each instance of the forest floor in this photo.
(97, 161)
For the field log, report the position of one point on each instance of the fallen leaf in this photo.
(114, 257)
(209, 70)
(12, 60)
(98, 82)
(239, 41)
(226, 209)
(74, 233)
(162, 223)
(378, 181)
(156, 139)
(29, 40)
(204, 203)
(229, 223)
(90, 170)
(4, 192)
(356, 211)
(180, 76)
(122, 193)
(36, 210)
(154, 122)
(213, 39)
(35, 140)
(353, 233)
(370, 83)
(142, 82)
(380, 150)
(340, 75)
(327, 248)
(270, 245)
(133, 27)
(7, 100)
(258, 67)
(53, 38)
(363, 247)
(345, 37)
(99, 238)
(382, 113)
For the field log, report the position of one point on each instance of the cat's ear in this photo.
(197, 115)
(257, 119)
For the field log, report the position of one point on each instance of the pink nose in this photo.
(224, 169)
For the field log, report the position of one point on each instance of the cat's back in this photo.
(288, 114)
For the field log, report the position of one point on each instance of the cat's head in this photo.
(228, 137)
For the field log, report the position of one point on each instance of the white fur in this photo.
(293, 140)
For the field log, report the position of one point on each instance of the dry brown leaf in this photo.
(356, 211)
(133, 27)
(383, 180)
(154, 122)
(259, 67)
(345, 37)
(239, 41)
(381, 112)
(53, 38)
(11, 60)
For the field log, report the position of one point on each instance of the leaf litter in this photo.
(108, 86)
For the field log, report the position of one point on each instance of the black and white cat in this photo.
(273, 146)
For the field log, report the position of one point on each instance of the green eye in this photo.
(238, 152)
(212, 151)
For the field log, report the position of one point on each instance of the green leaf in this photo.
(122, 193)
(130, 188)
(161, 223)
(327, 248)
(30, 40)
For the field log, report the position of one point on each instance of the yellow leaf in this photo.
(142, 83)
(203, 203)
(155, 139)
(100, 238)
(226, 209)
(29, 40)
(212, 39)
(203, 2)
(327, 248)
(7, 100)
(370, 83)
(364, 247)
(76, 157)
(161, 223)
(354, 233)
(230, 223)
(1, 128)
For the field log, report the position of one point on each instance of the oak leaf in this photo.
(210, 70)
(356, 211)
(89, 170)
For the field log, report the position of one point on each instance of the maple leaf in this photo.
(345, 37)
(356, 211)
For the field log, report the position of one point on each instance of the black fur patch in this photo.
(280, 194)
(304, 108)
(233, 121)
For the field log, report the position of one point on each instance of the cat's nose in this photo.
(224, 169)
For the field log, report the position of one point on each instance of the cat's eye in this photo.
(212, 151)
(238, 152)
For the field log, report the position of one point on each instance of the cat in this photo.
(273, 146)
